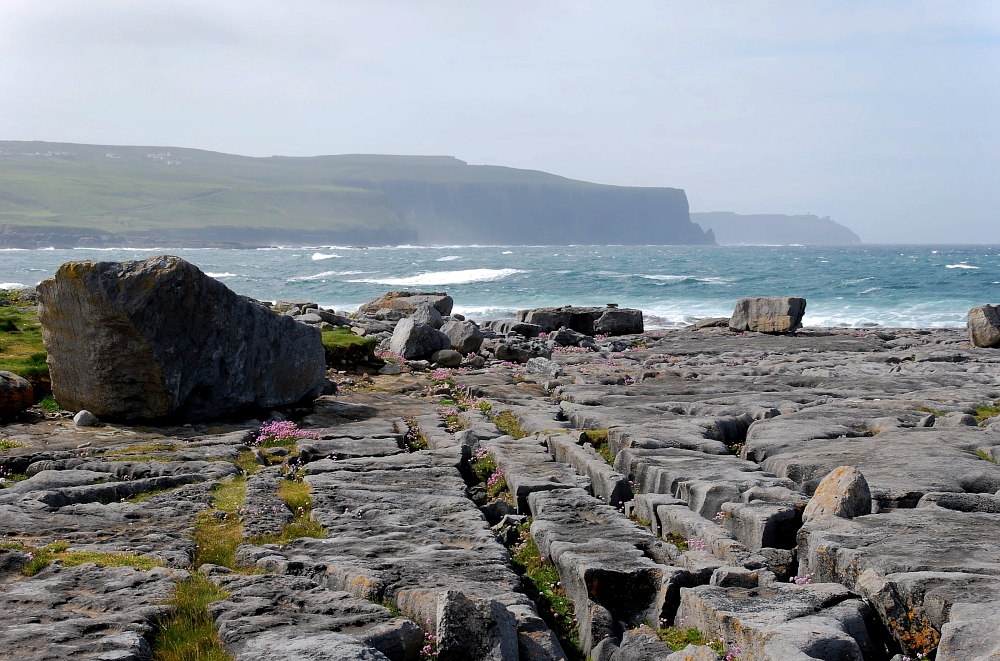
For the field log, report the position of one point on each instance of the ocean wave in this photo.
(485, 312)
(13, 249)
(960, 266)
(221, 275)
(447, 258)
(7, 286)
(507, 252)
(857, 281)
(318, 256)
(672, 279)
(324, 274)
(445, 277)
(870, 290)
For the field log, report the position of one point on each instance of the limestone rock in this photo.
(158, 338)
(85, 418)
(446, 358)
(412, 339)
(844, 493)
(779, 314)
(16, 394)
(984, 326)
(545, 367)
(474, 629)
(407, 302)
(465, 336)
(586, 320)
(428, 314)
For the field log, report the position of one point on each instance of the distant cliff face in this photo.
(540, 213)
(65, 194)
(774, 229)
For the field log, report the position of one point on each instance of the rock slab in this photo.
(158, 338)
(984, 326)
(777, 314)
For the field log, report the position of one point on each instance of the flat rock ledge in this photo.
(831, 494)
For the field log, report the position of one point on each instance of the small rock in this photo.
(391, 369)
(545, 367)
(447, 358)
(844, 493)
(85, 419)
(16, 394)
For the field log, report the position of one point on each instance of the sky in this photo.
(884, 115)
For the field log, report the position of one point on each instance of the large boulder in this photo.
(408, 301)
(158, 338)
(465, 336)
(16, 394)
(844, 493)
(775, 314)
(610, 320)
(984, 326)
(429, 315)
(412, 340)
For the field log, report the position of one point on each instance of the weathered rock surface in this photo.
(589, 321)
(158, 338)
(844, 493)
(412, 339)
(465, 336)
(984, 326)
(407, 302)
(768, 315)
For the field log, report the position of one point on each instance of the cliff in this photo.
(66, 194)
(774, 229)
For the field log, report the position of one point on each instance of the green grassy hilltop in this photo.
(103, 193)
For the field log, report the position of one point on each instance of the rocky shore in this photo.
(568, 486)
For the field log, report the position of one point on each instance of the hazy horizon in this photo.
(882, 118)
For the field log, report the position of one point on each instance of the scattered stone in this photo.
(545, 367)
(768, 315)
(412, 340)
(85, 418)
(407, 302)
(984, 326)
(428, 315)
(465, 336)
(844, 493)
(589, 321)
(447, 358)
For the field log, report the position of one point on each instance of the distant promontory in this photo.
(68, 195)
(774, 229)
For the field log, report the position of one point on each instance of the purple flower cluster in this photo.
(282, 431)
(697, 545)
(801, 580)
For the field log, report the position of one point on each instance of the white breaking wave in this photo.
(318, 256)
(668, 279)
(324, 274)
(507, 252)
(960, 266)
(221, 275)
(7, 286)
(445, 277)
(449, 258)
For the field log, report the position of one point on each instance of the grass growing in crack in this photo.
(189, 632)
(9, 443)
(932, 411)
(46, 555)
(599, 439)
(677, 638)
(984, 413)
(678, 540)
(545, 588)
(218, 532)
(414, 439)
(49, 404)
(485, 468)
(296, 494)
(986, 456)
(246, 461)
(508, 424)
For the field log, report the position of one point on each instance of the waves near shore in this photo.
(850, 286)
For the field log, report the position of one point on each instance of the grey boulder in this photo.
(158, 338)
(844, 493)
(408, 301)
(427, 314)
(778, 314)
(85, 418)
(984, 326)
(447, 358)
(465, 336)
(411, 339)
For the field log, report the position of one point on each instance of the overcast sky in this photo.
(883, 115)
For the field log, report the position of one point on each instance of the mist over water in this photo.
(852, 286)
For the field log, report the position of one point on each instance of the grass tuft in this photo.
(677, 638)
(188, 634)
(9, 443)
(218, 532)
(985, 456)
(46, 555)
(984, 413)
(508, 424)
(49, 404)
(599, 439)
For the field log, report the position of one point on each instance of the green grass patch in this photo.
(46, 555)
(414, 437)
(246, 461)
(9, 443)
(341, 345)
(984, 413)
(599, 439)
(49, 404)
(677, 638)
(219, 531)
(985, 456)
(545, 588)
(188, 633)
(933, 411)
(21, 349)
(296, 494)
(508, 424)
(677, 540)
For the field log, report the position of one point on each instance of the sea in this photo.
(862, 286)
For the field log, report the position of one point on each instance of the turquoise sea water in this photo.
(855, 286)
